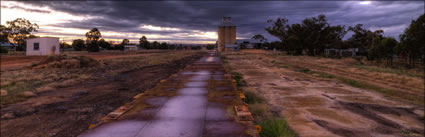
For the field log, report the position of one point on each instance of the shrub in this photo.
(305, 70)
(276, 128)
(3, 50)
(252, 98)
(93, 46)
(78, 45)
(63, 61)
(238, 77)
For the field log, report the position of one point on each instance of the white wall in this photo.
(46, 45)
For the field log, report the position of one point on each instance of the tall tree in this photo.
(259, 37)
(4, 33)
(362, 37)
(279, 29)
(18, 30)
(312, 35)
(92, 38)
(155, 45)
(93, 35)
(412, 40)
(125, 42)
(144, 43)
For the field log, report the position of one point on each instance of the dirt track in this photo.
(322, 107)
(69, 111)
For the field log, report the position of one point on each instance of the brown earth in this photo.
(11, 62)
(413, 86)
(69, 111)
(325, 107)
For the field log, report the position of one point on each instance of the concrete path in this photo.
(191, 112)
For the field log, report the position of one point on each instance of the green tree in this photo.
(412, 41)
(92, 38)
(18, 30)
(78, 45)
(104, 44)
(312, 35)
(163, 45)
(4, 33)
(279, 29)
(64, 45)
(93, 35)
(259, 37)
(155, 45)
(144, 43)
(125, 42)
(363, 38)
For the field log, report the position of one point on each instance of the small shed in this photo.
(43, 46)
(130, 47)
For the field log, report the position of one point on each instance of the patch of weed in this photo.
(387, 92)
(305, 70)
(325, 75)
(239, 80)
(252, 98)
(276, 127)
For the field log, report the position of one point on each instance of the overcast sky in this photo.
(196, 21)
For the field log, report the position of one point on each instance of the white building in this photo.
(131, 47)
(43, 46)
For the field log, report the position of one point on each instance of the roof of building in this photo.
(7, 44)
(43, 37)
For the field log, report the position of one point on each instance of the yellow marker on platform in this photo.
(259, 129)
(91, 126)
(242, 96)
(138, 95)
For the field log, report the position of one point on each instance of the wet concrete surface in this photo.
(188, 114)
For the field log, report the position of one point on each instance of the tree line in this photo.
(313, 35)
(20, 29)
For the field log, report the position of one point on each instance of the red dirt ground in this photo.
(10, 62)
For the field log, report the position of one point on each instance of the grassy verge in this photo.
(400, 71)
(418, 100)
(414, 99)
(276, 127)
(272, 125)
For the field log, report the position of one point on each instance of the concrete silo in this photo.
(226, 33)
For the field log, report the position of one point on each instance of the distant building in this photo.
(43, 46)
(131, 47)
(351, 52)
(231, 47)
(226, 33)
(249, 43)
(8, 46)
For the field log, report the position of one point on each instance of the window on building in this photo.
(36, 46)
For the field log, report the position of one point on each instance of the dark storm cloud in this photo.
(249, 16)
(25, 9)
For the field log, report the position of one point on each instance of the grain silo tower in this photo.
(226, 33)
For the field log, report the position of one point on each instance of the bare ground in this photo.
(319, 107)
(69, 111)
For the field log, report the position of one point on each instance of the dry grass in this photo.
(49, 78)
(399, 83)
